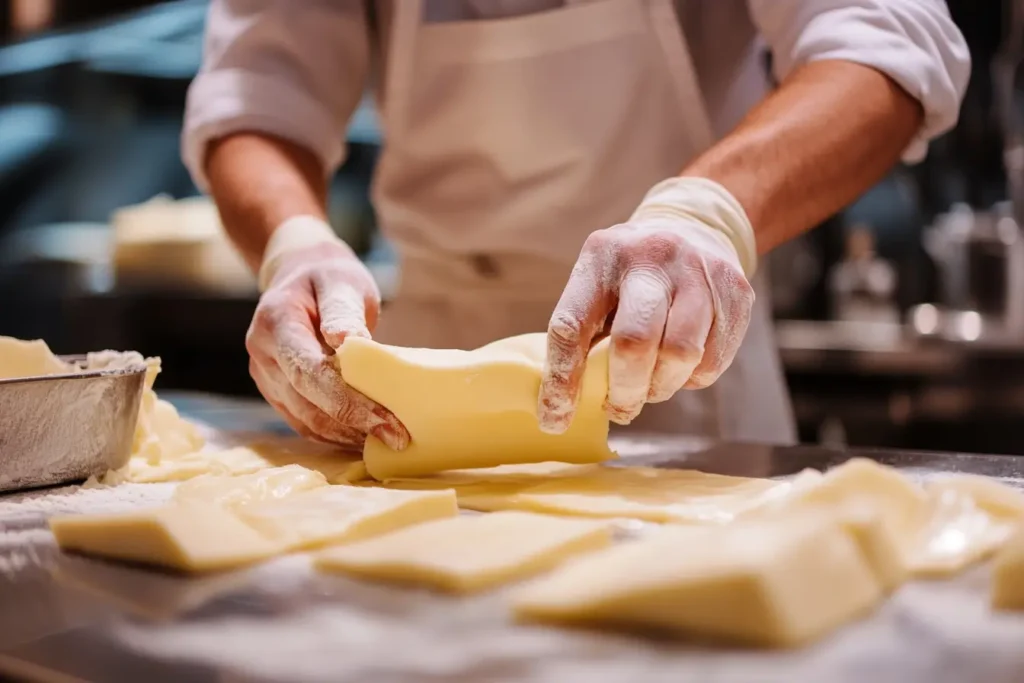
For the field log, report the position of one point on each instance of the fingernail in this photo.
(395, 439)
(618, 415)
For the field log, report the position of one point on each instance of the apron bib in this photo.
(507, 142)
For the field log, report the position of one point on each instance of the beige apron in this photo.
(508, 141)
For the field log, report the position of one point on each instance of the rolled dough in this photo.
(464, 554)
(779, 583)
(473, 409)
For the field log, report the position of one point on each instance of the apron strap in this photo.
(665, 23)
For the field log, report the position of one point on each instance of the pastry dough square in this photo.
(336, 514)
(188, 537)
(469, 553)
(779, 583)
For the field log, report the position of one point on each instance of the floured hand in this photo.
(672, 282)
(314, 296)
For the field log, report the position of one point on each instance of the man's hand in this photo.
(672, 282)
(315, 295)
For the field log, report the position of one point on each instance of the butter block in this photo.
(336, 514)
(464, 554)
(187, 537)
(779, 583)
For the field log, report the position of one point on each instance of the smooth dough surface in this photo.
(779, 583)
(336, 514)
(190, 537)
(1008, 574)
(469, 553)
(473, 409)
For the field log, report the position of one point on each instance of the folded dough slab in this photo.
(464, 554)
(190, 537)
(779, 583)
(473, 409)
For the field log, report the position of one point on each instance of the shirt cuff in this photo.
(230, 101)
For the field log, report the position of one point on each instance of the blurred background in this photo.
(901, 320)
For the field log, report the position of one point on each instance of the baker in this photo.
(579, 166)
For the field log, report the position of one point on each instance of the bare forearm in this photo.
(259, 182)
(829, 132)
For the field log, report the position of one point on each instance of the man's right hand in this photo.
(314, 297)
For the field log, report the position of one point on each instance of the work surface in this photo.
(71, 618)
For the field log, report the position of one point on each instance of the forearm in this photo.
(259, 182)
(830, 131)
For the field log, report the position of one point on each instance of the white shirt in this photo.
(298, 69)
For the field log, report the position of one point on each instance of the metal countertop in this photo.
(69, 618)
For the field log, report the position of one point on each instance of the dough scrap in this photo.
(190, 537)
(779, 583)
(20, 358)
(336, 514)
(465, 554)
(1008, 574)
(473, 409)
(258, 487)
(940, 529)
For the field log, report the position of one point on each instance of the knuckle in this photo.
(564, 331)
(681, 349)
(632, 339)
(660, 247)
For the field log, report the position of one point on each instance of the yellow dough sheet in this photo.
(473, 409)
(464, 554)
(644, 493)
(782, 582)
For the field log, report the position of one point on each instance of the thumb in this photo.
(342, 309)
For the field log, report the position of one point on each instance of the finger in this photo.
(686, 332)
(301, 415)
(313, 374)
(342, 310)
(733, 299)
(578, 316)
(644, 298)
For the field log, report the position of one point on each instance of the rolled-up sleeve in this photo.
(295, 69)
(914, 42)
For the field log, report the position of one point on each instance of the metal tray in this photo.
(56, 429)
